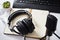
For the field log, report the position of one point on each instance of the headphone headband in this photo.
(17, 13)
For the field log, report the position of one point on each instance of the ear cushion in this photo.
(28, 24)
(21, 28)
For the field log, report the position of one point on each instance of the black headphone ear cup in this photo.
(21, 28)
(28, 24)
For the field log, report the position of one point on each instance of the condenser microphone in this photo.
(51, 24)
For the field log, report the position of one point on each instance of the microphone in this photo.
(51, 24)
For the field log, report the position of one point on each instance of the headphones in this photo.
(25, 26)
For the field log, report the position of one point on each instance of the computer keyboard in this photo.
(33, 1)
(51, 5)
(41, 2)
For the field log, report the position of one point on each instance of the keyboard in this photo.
(51, 5)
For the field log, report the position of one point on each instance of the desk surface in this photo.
(8, 37)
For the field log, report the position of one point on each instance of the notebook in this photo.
(38, 18)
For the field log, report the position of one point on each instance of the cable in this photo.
(56, 35)
(24, 37)
(48, 37)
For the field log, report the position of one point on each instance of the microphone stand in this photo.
(49, 34)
